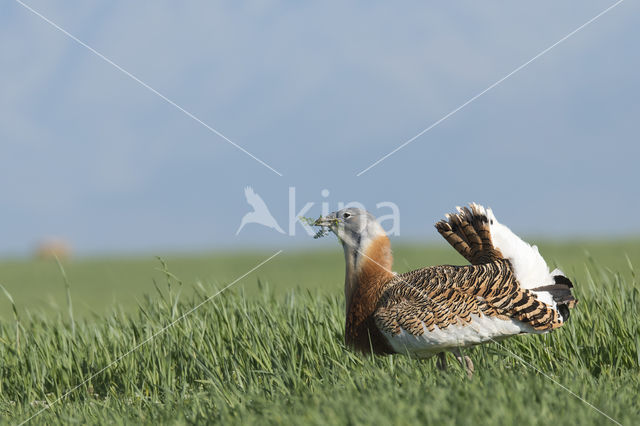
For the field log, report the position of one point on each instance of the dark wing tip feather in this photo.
(564, 311)
(561, 279)
(561, 294)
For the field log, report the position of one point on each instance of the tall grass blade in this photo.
(16, 317)
(67, 287)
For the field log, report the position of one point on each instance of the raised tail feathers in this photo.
(477, 235)
(468, 231)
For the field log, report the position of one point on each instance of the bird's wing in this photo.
(448, 306)
(254, 199)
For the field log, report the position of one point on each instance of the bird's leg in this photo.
(442, 361)
(470, 369)
(465, 362)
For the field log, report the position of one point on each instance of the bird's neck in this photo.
(367, 266)
(368, 270)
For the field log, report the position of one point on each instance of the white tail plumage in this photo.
(530, 268)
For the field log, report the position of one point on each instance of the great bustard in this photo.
(507, 289)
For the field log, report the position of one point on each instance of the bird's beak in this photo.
(328, 220)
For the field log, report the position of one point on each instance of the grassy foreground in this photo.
(270, 355)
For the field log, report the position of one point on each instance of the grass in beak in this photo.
(324, 229)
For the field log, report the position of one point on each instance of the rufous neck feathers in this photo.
(368, 268)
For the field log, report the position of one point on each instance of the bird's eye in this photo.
(346, 215)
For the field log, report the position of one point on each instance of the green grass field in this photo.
(270, 349)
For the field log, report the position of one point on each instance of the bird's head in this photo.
(355, 228)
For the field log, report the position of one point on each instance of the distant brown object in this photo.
(52, 249)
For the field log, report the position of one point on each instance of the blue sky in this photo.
(319, 91)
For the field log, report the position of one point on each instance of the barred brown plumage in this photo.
(448, 295)
(506, 290)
